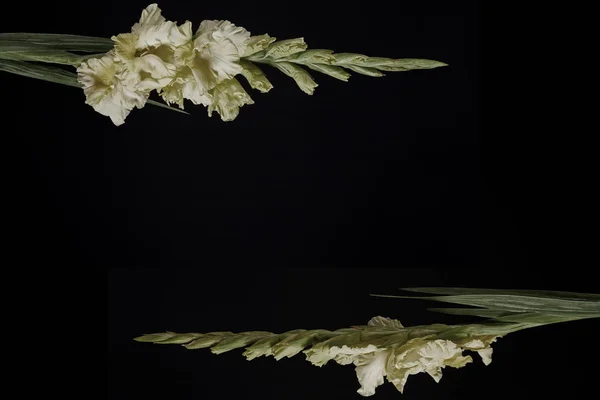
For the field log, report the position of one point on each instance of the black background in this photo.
(417, 172)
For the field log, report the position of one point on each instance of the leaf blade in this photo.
(285, 48)
(302, 78)
(255, 77)
(400, 64)
(535, 293)
(515, 303)
(42, 72)
(331, 70)
(365, 70)
(89, 44)
(39, 54)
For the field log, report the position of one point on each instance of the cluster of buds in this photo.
(385, 349)
(162, 56)
(382, 349)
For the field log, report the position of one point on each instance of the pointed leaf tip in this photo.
(154, 337)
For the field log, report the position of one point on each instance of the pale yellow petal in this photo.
(204, 74)
(156, 67)
(152, 29)
(235, 34)
(486, 355)
(110, 88)
(181, 35)
(206, 28)
(218, 46)
(125, 45)
(371, 370)
(420, 355)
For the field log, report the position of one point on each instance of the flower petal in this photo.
(125, 45)
(486, 355)
(419, 355)
(181, 35)
(482, 345)
(156, 67)
(228, 97)
(343, 355)
(219, 46)
(152, 29)
(109, 88)
(370, 371)
(204, 74)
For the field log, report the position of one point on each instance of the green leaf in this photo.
(155, 337)
(258, 43)
(43, 72)
(511, 316)
(350, 58)
(387, 339)
(543, 318)
(534, 293)
(364, 70)
(374, 61)
(255, 77)
(180, 338)
(294, 344)
(302, 78)
(204, 341)
(494, 328)
(239, 340)
(291, 345)
(517, 303)
(57, 41)
(262, 347)
(385, 64)
(316, 56)
(415, 63)
(33, 53)
(400, 64)
(473, 312)
(335, 72)
(285, 48)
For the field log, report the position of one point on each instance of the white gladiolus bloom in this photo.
(110, 88)
(343, 355)
(482, 346)
(420, 355)
(149, 50)
(213, 57)
(370, 371)
(153, 30)
(186, 84)
(161, 55)
(396, 356)
(417, 355)
(219, 46)
(227, 98)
